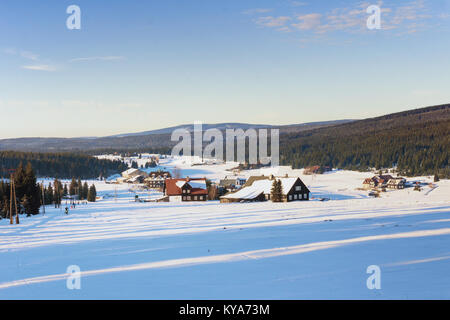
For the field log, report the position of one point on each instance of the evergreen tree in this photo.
(28, 193)
(58, 193)
(92, 194)
(25, 203)
(80, 189)
(73, 187)
(276, 193)
(436, 178)
(85, 190)
(32, 191)
(49, 194)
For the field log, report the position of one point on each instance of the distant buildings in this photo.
(154, 180)
(258, 188)
(131, 173)
(182, 190)
(232, 183)
(316, 170)
(157, 179)
(384, 181)
(396, 183)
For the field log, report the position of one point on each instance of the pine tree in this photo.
(276, 191)
(58, 193)
(49, 194)
(80, 190)
(92, 194)
(436, 178)
(25, 203)
(85, 190)
(32, 191)
(73, 187)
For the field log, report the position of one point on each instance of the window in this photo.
(298, 188)
(290, 197)
(195, 198)
(184, 198)
(189, 198)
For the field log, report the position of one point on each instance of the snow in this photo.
(207, 250)
(198, 184)
(180, 184)
(261, 186)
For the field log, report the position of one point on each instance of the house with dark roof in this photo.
(396, 183)
(384, 181)
(188, 189)
(232, 183)
(157, 179)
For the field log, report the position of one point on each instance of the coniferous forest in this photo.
(417, 142)
(61, 165)
(28, 195)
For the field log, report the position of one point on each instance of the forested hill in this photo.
(157, 141)
(60, 165)
(417, 141)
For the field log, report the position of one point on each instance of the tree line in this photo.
(61, 165)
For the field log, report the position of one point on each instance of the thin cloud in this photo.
(29, 55)
(273, 21)
(40, 67)
(104, 58)
(406, 17)
(308, 21)
(21, 53)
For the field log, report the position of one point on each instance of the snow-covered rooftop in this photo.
(261, 186)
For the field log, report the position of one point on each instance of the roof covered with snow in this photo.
(261, 186)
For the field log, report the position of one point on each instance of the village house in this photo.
(232, 183)
(188, 189)
(157, 179)
(384, 181)
(396, 183)
(136, 179)
(131, 173)
(258, 188)
(316, 170)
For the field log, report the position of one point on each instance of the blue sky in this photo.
(141, 65)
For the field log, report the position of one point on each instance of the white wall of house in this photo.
(175, 198)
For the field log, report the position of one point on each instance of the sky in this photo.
(140, 65)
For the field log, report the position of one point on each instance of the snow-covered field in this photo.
(299, 250)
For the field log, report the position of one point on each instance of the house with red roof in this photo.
(187, 189)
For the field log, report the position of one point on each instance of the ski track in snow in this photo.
(228, 251)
